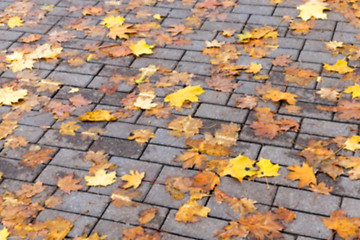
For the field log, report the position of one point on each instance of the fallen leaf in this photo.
(191, 159)
(185, 126)
(320, 188)
(9, 96)
(352, 143)
(345, 227)
(101, 178)
(14, 142)
(123, 198)
(4, 233)
(312, 8)
(328, 93)
(187, 212)
(31, 38)
(78, 100)
(112, 21)
(141, 47)
(15, 22)
(177, 99)
(97, 116)
(133, 180)
(147, 215)
(282, 60)
(53, 201)
(285, 214)
(340, 67)
(239, 167)
(69, 128)
(304, 174)
(267, 169)
(141, 136)
(33, 158)
(69, 183)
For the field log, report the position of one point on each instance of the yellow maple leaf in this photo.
(157, 16)
(141, 136)
(101, 178)
(141, 47)
(352, 143)
(112, 21)
(304, 174)
(8, 95)
(340, 67)
(97, 116)
(69, 128)
(15, 22)
(188, 211)
(254, 68)
(312, 8)
(134, 179)
(354, 90)
(4, 233)
(189, 93)
(239, 167)
(144, 100)
(267, 169)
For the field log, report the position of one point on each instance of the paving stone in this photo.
(117, 147)
(54, 138)
(82, 224)
(201, 68)
(284, 140)
(224, 211)
(51, 174)
(327, 128)
(254, 190)
(89, 94)
(12, 185)
(351, 207)
(318, 57)
(87, 68)
(72, 79)
(279, 155)
(10, 35)
(145, 62)
(122, 130)
(308, 110)
(37, 119)
(113, 230)
(203, 229)
(254, 9)
(32, 134)
(221, 113)
(71, 158)
(342, 186)
(97, 82)
(13, 170)
(250, 150)
(131, 215)
(308, 225)
(82, 202)
(306, 201)
(161, 154)
(163, 137)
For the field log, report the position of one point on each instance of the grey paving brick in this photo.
(218, 26)
(244, 148)
(54, 138)
(165, 53)
(161, 154)
(82, 224)
(117, 147)
(12, 169)
(71, 158)
(284, 140)
(37, 119)
(51, 174)
(351, 207)
(318, 57)
(342, 186)
(97, 82)
(154, 121)
(146, 61)
(279, 155)
(326, 128)
(131, 215)
(195, 56)
(122, 130)
(313, 34)
(308, 225)
(248, 189)
(203, 229)
(295, 199)
(254, 9)
(82, 202)
(87, 68)
(9, 35)
(201, 68)
(308, 110)
(224, 211)
(71, 79)
(163, 137)
(113, 230)
(221, 113)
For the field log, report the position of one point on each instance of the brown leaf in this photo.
(123, 198)
(69, 183)
(78, 100)
(285, 214)
(185, 126)
(33, 158)
(282, 60)
(14, 142)
(53, 201)
(147, 215)
(247, 101)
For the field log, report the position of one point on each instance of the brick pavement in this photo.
(91, 206)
